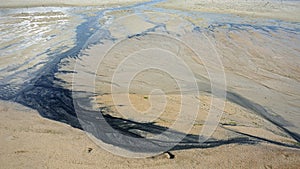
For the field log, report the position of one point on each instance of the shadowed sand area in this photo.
(72, 65)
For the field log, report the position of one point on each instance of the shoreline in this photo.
(57, 3)
(277, 10)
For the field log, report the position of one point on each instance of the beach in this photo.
(39, 3)
(158, 84)
(274, 9)
(29, 141)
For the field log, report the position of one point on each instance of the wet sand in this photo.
(39, 3)
(258, 129)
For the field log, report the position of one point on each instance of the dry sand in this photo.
(29, 141)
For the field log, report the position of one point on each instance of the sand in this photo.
(30, 141)
(274, 9)
(262, 78)
(38, 3)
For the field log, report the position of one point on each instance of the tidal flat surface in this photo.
(42, 49)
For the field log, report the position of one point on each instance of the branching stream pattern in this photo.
(35, 49)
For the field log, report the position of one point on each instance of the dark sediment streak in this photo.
(261, 111)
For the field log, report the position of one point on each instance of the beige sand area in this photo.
(275, 9)
(252, 70)
(235, 117)
(30, 141)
